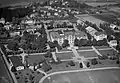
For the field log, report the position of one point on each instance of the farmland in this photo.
(91, 19)
(108, 17)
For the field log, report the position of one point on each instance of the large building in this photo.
(70, 35)
(97, 35)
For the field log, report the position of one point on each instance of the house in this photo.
(100, 36)
(16, 62)
(113, 43)
(97, 35)
(70, 35)
(2, 20)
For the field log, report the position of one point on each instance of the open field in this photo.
(88, 54)
(108, 17)
(90, 19)
(63, 56)
(108, 52)
(94, 4)
(98, 76)
(115, 9)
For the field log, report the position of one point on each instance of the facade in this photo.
(97, 35)
(70, 35)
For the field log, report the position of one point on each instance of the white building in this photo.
(70, 35)
(97, 35)
(113, 43)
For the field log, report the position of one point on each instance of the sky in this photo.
(16, 1)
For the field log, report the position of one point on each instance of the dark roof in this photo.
(16, 61)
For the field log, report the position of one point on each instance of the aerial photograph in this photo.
(59, 41)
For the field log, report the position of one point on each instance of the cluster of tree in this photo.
(29, 41)
(106, 27)
(8, 13)
(3, 32)
(54, 44)
(65, 43)
(92, 25)
(85, 42)
(81, 42)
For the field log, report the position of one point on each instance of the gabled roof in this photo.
(16, 61)
(99, 33)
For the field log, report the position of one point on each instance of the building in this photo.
(2, 20)
(113, 43)
(16, 62)
(70, 35)
(97, 35)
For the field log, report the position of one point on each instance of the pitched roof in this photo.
(99, 33)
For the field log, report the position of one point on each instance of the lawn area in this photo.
(108, 52)
(34, 59)
(102, 47)
(98, 76)
(88, 54)
(64, 56)
(85, 48)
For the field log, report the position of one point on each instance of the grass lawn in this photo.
(101, 47)
(108, 52)
(88, 54)
(85, 48)
(98, 76)
(64, 56)
(34, 59)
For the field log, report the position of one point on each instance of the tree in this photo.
(94, 61)
(12, 45)
(65, 43)
(76, 42)
(83, 42)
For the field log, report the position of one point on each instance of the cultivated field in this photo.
(98, 76)
(94, 4)
(115, 9)
(90, 19)
(108, 17)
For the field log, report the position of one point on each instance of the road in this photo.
(5, 73)
(73, 71)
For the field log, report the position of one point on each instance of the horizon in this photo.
(5, 2)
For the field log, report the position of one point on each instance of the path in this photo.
(96, 51)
